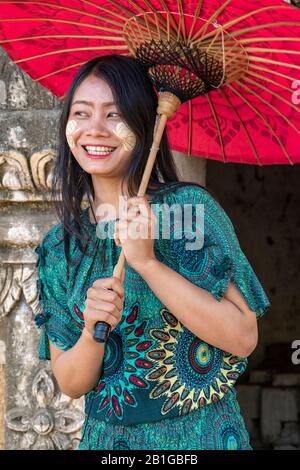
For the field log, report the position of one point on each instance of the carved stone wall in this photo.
(33, 412)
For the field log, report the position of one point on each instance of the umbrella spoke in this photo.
(234, 110)
(196, 15)
(270, 105)
(231, 87)
(96, 48)
(267, 49)
(217, 126)
(181, 23)
(60, 36)
(63, 69)
(249, 40)
(247, 15)
(201, 32)
(54, 20)
(74, 10)
(272, 72)
(169, 14)
(156, 15)
(262, 26)
(270, 61)
(271, 92)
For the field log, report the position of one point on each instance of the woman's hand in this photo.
(135, 232)
(103, 304)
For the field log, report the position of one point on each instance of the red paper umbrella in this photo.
(250, 114)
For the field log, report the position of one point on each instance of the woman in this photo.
(183, 317)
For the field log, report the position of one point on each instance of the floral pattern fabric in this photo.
(154, 370)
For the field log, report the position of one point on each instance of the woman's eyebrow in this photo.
(89, 103)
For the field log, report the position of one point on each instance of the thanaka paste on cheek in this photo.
(125, 134)
(70, 129)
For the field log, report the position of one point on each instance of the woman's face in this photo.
(97, 135)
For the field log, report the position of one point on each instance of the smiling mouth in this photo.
(98, 153)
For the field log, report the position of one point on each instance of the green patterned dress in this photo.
(161, 386)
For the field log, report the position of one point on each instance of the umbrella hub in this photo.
(185, 68)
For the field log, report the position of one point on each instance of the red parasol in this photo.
(252, 118)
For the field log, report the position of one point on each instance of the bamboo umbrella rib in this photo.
(134, 14)
(262, 77)
(274, 94)
(243, 17)
(261, 39)
(269, 105)
(75, 49)
(272, 72)
(243, 31)
(181, 20)
(217, 126)
(156, 13)
(211, 44)
(234, 110)
(267, 49)
(201, 32)
(142, 11)
(139, 30)
(74, 10)
(274, 62)
(63, 69)
(54, 20)
(197, 13)
(58, 36)
(263, 119)
(169, 14)
(111, 12)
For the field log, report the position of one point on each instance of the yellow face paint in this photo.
(71, 127)
(123, 132)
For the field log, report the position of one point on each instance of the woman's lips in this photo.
(97, 157)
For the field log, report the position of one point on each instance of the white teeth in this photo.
(97, 149)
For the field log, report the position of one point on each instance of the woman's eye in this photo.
(113, 113)
(79, 112)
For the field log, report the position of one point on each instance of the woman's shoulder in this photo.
(185, 193)
(51, 248)
(53, 238)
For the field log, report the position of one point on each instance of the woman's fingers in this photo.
(114, 283)
(100, 306)
(105, 297)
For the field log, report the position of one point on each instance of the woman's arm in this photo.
(78, 370)
(227, 324)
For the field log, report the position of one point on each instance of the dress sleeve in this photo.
(212, 257)
(54, 317)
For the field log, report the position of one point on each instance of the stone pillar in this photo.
(191, 168)
(34, 414)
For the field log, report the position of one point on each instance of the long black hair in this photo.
(137, 101)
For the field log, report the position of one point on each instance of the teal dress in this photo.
(161, 386)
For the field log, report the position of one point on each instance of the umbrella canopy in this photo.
(252, 117)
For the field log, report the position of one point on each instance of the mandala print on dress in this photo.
(124, 366)
(190, 373)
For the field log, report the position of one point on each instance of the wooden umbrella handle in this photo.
(167, 105)
(145, 180)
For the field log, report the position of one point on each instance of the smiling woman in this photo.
(183, 321)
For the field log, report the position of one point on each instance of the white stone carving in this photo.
(51, 423)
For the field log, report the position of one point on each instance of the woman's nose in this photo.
(97, 130)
